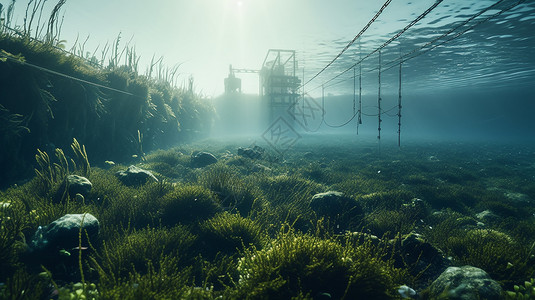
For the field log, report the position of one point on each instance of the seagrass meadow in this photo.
(248, 228)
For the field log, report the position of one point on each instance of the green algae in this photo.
(230, 233)
(207, 235)
(299, 264)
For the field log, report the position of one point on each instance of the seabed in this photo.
(249, 226)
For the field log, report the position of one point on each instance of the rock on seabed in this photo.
(465, 283)
(64, 232)
(135, 176)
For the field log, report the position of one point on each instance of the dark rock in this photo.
(254, 153)
(203, 159)
(64, 232)
(336, 206)
(135, 176)
(465, 283)
(422, 258)
(76, 185)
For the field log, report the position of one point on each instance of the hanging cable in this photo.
(319, 125)
(355, 96)
(351, 42)
(399, 108)
(420, 17)
(360, 95)
(379, 101)
(303, 97)
(408, 56)
(324, 121)
(43, 69)
(322, 104)
(399, 62)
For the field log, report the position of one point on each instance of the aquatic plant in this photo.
(384, 200)
(316, 172)
(503, 258)
(78, 291)
(230, 233)
(218, 273)
(504, 207)
(171, 163)
(109, 110)
(522, 230)
(526, 291)
(23, 285)
(163, 279)
(172, 157)
(52, 173)
(360, 184)
(289, 197)
(135, 251)
(13, 221)
(12, 124)
(493, 251)
(188, 204)
(454, 196)
(123, 206)
(233, 192)
(301, 265)
(81, 157)
(388, 222)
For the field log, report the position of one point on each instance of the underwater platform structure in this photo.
(278, 86)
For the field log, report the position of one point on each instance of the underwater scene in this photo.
(227, 149)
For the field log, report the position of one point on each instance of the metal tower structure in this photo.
(278, 81)
(278, 89)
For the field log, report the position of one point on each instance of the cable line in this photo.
(404, 59)
(379, 101)
(360, 96)
(350, 43)
(419, 18)
(397, 62)
(399, 108)
(24, 63)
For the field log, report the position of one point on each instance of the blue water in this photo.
(496, 54)
(477, 82)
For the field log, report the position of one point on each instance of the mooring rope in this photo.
(24, 63)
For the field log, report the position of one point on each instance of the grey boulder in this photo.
(64, 233)
(465, 283)
(203, 159)
(336, 206)
(77, 185)
(135, 176)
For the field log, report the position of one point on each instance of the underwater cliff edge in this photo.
(50, 97)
